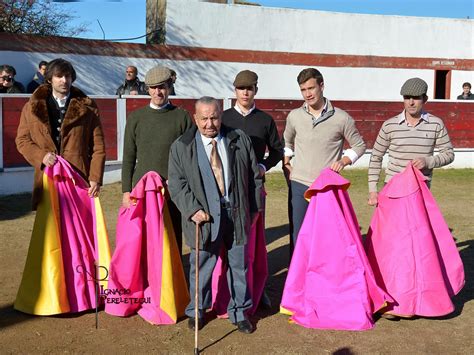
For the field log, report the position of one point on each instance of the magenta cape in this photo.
(69, 239)
(330, 284)
(257, 272)
(146, 273)
(411, 249)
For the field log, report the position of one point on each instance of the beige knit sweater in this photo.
(316, 147)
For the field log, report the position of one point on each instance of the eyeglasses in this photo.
(7, 78)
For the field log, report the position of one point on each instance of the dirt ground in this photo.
(453, 334)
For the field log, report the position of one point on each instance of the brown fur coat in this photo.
(82, 143)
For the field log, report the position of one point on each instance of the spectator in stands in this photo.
(149, 133)
(8, 85)
(411, 136)
(132, 85)
(173, 81)
(38, 78)
(466, 92)
(314, 139)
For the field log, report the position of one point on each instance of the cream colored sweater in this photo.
(318, 146)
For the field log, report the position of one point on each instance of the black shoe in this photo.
(389, 316)
(244, 326)
(265, 303)
(192, 323)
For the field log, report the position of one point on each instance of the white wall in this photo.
(101, 75)
(200, 24)
(194, 23)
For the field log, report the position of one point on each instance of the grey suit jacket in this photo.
(189, 183)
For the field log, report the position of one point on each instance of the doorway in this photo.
(442, 84)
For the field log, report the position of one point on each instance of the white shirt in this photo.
(61, 102)
(154, 107)
(221, 150)
(239, 110)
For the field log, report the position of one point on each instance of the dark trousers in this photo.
(298, 209)
(176, 221)
(240, 299)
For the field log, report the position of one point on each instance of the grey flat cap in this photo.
(414, 87)
(157, 75)
(245, 78)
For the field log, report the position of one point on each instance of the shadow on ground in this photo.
(14, 206)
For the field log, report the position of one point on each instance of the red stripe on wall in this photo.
(369, 116)
(29, 43)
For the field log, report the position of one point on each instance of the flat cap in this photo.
(157, 75)
(414, 87)
(245, 78)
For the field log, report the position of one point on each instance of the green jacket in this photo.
(148, 137)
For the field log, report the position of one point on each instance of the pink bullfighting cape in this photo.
(69, 248)
(330, 284)
(146, 273)
(257, 271)
(411, 249)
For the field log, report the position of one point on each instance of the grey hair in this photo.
(208, 100)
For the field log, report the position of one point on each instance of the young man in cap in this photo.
(314, 139)
(411, 136)
(258, 125)
(149, 133)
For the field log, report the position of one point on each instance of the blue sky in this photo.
(126, 18)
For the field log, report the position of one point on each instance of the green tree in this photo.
(38, 17)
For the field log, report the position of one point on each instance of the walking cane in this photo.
(196, 293)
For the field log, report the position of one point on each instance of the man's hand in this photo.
(419, 163)
(200, 217)
(94, 189)
(373, 199)
(126, 200)
(337, 166)
(50, 159)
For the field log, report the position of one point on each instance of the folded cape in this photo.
(330, 284)
(411, 249)
(146, 273)
(69, 248)
(257, 271)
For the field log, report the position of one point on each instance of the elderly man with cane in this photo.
(215, 182)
